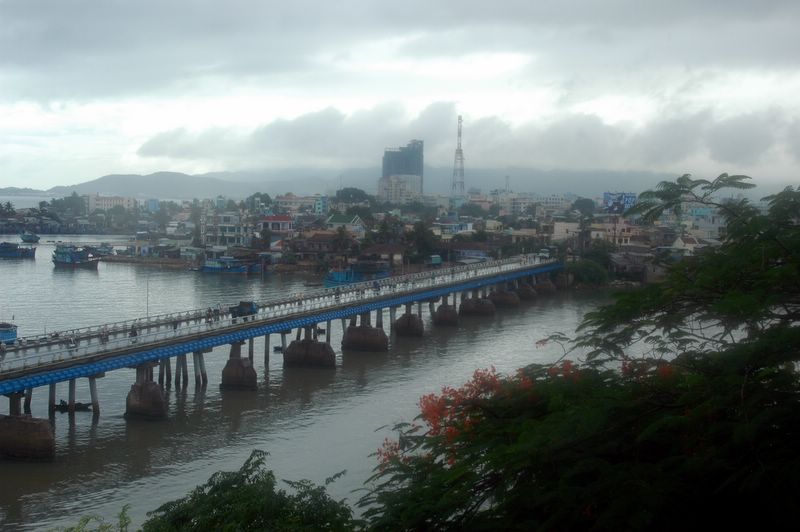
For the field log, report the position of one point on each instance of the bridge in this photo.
(150, 342)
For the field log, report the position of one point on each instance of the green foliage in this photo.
(600, 252)
(7, 209)
(351, 195)
(585, 206)
(588, 272)
(422, 239)
(471, 209)
(685, 415)
(248, 499)
(365, 213)
(95, 523)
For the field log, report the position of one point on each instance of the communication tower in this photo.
(458, 167)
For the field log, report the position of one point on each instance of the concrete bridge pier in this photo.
(544, 286)
(283, 340)
(25, 437)
(410, 324)
(250, 348)
(392, 318)
(309, 352)
(266, 352)
(476, 307)
(445, 314)
(504, 298)
(525, 291)
(364, 337)
(238, 373)
(145, 399)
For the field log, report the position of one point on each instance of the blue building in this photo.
(152, 205)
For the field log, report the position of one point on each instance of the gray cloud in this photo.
(87, 49)
(331, 139)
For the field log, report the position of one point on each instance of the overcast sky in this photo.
(89, 88)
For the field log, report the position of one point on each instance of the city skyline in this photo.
(673, 87)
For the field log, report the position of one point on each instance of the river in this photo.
(312, 422)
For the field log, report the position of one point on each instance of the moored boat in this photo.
(29, 238)
(103, 249)
(72, 256)
(12, 250)
(229, 265)
(8, 333)
(358, 272)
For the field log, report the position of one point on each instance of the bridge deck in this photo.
(37, 361)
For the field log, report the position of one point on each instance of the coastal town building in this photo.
(224, 229)
(352, 223)
(96, 202)
(402, 177)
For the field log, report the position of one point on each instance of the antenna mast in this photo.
(458, 167)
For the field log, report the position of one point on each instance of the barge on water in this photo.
(72, 256)
(12, 250)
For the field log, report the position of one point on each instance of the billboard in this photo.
(618, 202)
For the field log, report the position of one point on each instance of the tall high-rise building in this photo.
(401, 181)
(405, 160)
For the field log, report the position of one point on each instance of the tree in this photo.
(585, 206)
(351, 195)
(684, 413)
(249, 499)
(422, 239)
(471, 209)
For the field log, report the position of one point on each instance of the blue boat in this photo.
(29, 238)
(358, 272)
(229, 265)
(12, 250)
(8, 333)
(72, 256)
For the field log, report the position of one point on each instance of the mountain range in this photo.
(237, 185)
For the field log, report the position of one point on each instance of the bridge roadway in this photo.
(38, 361)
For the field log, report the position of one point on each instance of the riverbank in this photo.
(160, 262)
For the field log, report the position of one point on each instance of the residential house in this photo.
(352, 223)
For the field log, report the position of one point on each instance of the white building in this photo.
(97, 202)
(400, 188)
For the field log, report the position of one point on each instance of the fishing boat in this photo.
(358, 272)
(12, 250)
(8, 333)
(72, 256)
(29, 238)
(100, 250)
(229, 265)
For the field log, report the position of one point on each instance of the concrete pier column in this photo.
(344, 325)
(198, 380)
(445, 315)
(379, 318)
(365, 319)
(505, 298)
(328, 332)
(419, 309)
(26, 438)
(250, 343)
(161, 372)
(14, 405)
(283, 341)
(266, 352)
(93, 394)
(51, 398)
(168, 371)
(71, 407)
(431, 307)
(181, 371)
(239, 373)
(409, 307)
(27, 403)
(299, 333)
(145, 399)
(310, 333)
(392, 317)
(476, 307)
(202, 359)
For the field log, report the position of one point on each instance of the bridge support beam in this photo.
(238, 373)
(51, 399)
(526, 292)
(328, 332)
(544, 286)
(165, 372)
(392, 318)
(25, 437)
(145, 399)
(71, 407)
(93, 395)
(283, 341)
(266, 352)
(181, 371)
(27, 403)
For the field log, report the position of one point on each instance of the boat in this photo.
(101, 250)
(8, 333)
(358, 272)
(29, 238)
(229, 265)
(72, 256)
(12, 250)
(63, 406)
